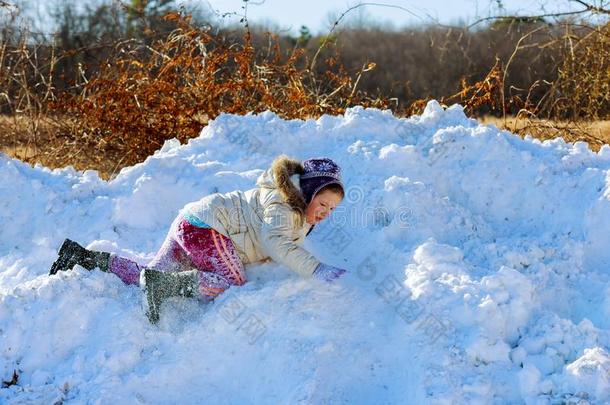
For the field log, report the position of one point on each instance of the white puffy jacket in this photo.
(266, 222)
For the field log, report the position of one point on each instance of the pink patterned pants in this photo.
(189, 247)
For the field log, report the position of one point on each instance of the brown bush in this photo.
(147, 94)
(582, 89)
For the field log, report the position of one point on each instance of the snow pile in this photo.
(479, 272)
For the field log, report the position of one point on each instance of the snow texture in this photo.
(478, 272)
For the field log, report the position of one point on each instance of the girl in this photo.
(211, 239)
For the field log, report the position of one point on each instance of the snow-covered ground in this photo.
(479, 272)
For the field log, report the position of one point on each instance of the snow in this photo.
(479, 272)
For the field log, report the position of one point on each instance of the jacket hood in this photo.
(280, 176)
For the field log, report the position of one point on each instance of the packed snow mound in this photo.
(479, 272)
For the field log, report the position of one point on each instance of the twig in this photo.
(530, 17)
(346, 12)
(592, 8)
(505, 70)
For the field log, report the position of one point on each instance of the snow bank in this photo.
(479, 269)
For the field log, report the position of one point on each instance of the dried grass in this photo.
(595, 133)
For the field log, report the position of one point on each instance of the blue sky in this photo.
(317, 14)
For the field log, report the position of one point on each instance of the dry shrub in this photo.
(567, 107)
(171, 88)
(578, 97)
(486, 94)
(583, 86)
(29, 131)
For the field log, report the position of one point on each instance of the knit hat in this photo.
(317, 173)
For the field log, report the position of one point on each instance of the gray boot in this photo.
(158, 286)
(71, 253)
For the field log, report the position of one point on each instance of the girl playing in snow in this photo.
(211, 239)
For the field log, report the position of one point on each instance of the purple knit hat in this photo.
(317, 173)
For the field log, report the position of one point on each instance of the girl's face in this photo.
(321, 206)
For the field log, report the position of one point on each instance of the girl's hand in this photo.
(327, 272)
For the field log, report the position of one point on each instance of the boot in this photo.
(71, 253)
(158, 286)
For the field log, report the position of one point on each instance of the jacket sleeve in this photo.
(276, 237)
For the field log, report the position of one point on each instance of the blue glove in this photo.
(328, 273)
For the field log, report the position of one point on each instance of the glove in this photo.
(327, 272)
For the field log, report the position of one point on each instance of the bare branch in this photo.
(590, 7)
(346, 12)
(529, 17)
